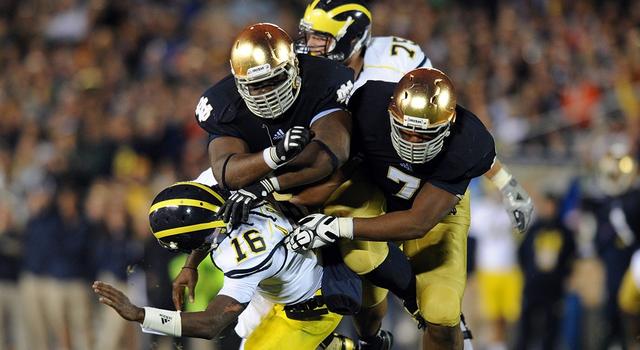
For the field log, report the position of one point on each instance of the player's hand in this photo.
(518, 204)
(187, 278)
(318, 230)
(236, 209)
(293, 142)
(114, 298)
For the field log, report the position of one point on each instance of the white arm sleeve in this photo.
(243, 289)
(206, 178)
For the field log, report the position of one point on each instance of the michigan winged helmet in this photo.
(265, 68)
(183, 216)
(421, 111)
(340, 28)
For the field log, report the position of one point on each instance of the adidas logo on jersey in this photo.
(164, 318)
(278, 135)
(406, 166)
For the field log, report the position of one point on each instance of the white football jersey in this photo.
(388, 58)
(254, 259)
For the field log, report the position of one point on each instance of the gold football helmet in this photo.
(421, 111)
(617, 170)
(266, 69)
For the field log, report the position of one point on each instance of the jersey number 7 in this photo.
(410, 184)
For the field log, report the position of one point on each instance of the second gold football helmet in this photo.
(421, 111)
(266, 69)
(617, 170)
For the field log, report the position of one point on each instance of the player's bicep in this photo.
(220, 148)
(334, 130)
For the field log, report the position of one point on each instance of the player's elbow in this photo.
(419, 225)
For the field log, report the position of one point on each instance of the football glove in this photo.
(318, 230)
(236, 209)
(293, 142)
(518, 204)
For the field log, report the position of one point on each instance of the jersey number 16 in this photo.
(254, 241)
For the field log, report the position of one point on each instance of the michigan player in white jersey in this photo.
(255, 263)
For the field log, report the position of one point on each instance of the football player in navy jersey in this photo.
(421, 149)
(277, 122)
(341, 30)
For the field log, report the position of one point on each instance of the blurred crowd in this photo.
(96, 116)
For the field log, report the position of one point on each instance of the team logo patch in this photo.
(203, 110)
(344, 92)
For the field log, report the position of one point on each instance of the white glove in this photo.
(318, 230)
(518, 204)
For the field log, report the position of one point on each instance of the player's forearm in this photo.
(430, 206)
(396, 226)
(312, 165)
(317, 195)
(195, 258)
(495, 168)
(220, 313)
(240, 170)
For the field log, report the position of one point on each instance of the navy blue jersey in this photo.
(223, 112)
(468, 151)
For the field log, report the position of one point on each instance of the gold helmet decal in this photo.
(263, 53)
(617, 170)
(421, 110)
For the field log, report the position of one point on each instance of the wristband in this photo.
(345, 226)
(501, 178)
(266, 155)
(274, 182)
(190, 268)
(164, 321)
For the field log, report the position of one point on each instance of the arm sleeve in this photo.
(241, 289)
(457, 188)
(336, 91)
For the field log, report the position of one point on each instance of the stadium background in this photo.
(96, 116)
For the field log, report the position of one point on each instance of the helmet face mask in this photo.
(431, 143)
(345, 23)
(421, 113)
(263, 56)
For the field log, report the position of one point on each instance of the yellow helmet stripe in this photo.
(184, 201)
(190, 228)
(204, 187)
(323, 21)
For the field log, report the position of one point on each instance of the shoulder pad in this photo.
(218, 103)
